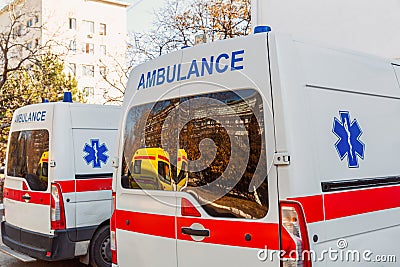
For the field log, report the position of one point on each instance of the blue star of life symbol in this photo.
(96, 153)
(349, 143)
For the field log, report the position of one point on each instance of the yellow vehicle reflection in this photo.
(151, 169)
(182, 168)
(43, 168)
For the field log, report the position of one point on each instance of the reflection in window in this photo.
(212, 145)
(72, 45)
(137, 167)
(163, 171)
(72, 23)
(88, 70)
(28, 157)
(88, 48)
(102, 29)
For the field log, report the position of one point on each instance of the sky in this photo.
(140, 14)
(370, 26)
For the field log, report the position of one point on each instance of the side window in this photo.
(164, 172)
(137, 166)
(212, 146)
(28, 157)
(45, 169)
(223, 135)
(182, 172)
(150, 147)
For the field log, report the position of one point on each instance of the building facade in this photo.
(89, 35)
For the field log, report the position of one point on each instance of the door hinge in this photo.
(281, 159)
(52, 163)
(115, 162)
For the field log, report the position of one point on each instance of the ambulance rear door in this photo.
(228, 213)
(145, 201)
(28, 174)
(94, 131)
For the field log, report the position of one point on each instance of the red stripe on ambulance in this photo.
(262, 234)
(163, 158)
(145, 223)
(344, 204)
(145, 157)
(234, 233)
(93, 184)
(313, 207)
(85, 185)
(40, 198)
(43, 198)
(350, 203)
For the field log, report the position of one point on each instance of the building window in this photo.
(102, 70)
(103, 49)
(72, 45)
(72, 23)
(20, 30)
(20, 51)
(29, 45)
(36, 19)
(88, 70)
(88, 26)
(103, 29)
(88, 91)
(88, 48)
(72, 67)
(29, 23)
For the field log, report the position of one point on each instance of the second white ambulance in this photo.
(57, 192)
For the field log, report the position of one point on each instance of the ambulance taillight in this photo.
(294, 236)
(113, 245)
(57, 212)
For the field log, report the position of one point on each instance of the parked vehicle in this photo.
(151, 169)
(291, 148)
(57, 193)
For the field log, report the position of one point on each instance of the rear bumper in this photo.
(45, 247)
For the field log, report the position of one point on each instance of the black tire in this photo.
(100, 252)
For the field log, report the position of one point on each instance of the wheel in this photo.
(100, 251)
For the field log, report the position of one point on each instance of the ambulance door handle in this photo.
(195, 232)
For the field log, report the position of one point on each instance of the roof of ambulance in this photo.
(67, 104)
(249, 43)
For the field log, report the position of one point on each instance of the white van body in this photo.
(327, 121)
(70, 145)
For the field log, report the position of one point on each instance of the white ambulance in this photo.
(57, 192)
(291, 151)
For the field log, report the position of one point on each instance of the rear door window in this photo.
(28, 157)
(215, 149)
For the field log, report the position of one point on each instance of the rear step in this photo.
(15, 254)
